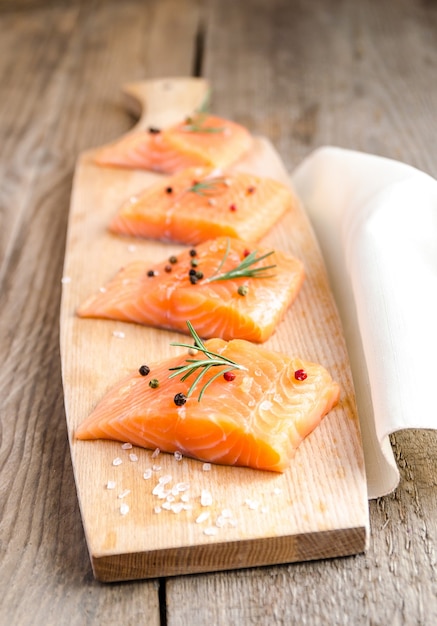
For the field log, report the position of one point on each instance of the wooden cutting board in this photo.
(317, 509)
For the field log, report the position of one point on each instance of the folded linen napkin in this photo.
(376, 222)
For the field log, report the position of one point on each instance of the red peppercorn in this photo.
(167, 269)
(229, 376)
(246, 253)
(233, 207)
(300, 374)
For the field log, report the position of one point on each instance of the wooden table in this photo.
(304, 74)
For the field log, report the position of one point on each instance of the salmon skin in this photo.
(185, 287)
(200, 203)
(256, 419)
(203, 140)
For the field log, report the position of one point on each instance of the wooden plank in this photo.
(361, 76)
(317, 509)
(54, 59)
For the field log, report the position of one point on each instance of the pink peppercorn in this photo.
(300, 374)
(229, 376)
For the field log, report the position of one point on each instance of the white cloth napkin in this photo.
(376, 222)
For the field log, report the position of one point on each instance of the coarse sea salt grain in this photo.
(205, 497)
(157, 509)
(110, 484)
(211, 530)
(65, 280)
(177, 507)
(131, 248)
(156, 453)
(164, 480)
(202, 517)
(124, 509)
(178, 455)
(206, 467)
(126, 446)
(117, 461)
(118, 334)
(147, 474)
(156, 468)
(124, 493)
(133, 457)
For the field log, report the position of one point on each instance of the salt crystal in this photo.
(133, 457)
(131, 248)
(206, 467)
(164, 480)
(102, 289)
(185, 498)
(252, 504)
(126, 446)
(147, 474)
(157, 509)
(124, 493)
(156, 453)
(264, 509)
(170, 498)
(177, 507)
(65, 280)
(220, 521)
(110, 484)
(202, 517)
(166, 506)
(182, 486)
(211, 530)
(188, 507)
(226, 513)
(117, 461)
(205, 498)
(156, 468)
(178, 455)
(119, 334)
(124, 509)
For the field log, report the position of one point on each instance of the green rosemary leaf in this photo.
(243, 269)
(207, 186)
(201, 366)
(196, 124)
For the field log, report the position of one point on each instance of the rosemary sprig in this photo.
(196, 124)
(243, 269)
(208, 186)
(202, 366)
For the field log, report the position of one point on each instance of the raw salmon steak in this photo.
(204, 140)
(200, 203)
(204, 284)
(255, 416)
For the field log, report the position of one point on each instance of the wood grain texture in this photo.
(320, 509)
(303, 73)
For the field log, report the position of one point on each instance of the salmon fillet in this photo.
(204, 140)
(200, 203)
(167, 294)
(257, 419)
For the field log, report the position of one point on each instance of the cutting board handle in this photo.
(162, 102)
